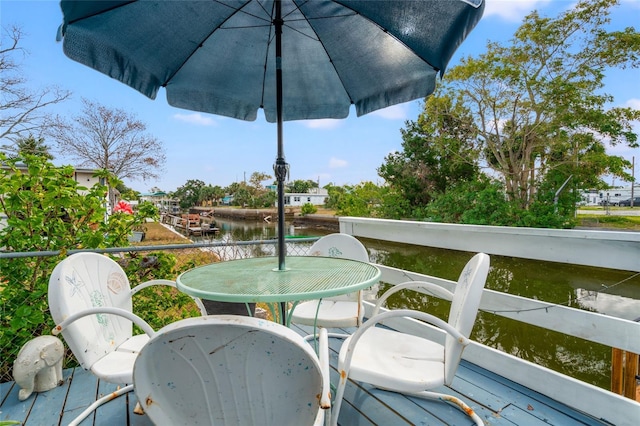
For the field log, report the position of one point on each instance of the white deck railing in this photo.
(605, 249)
(616, 250)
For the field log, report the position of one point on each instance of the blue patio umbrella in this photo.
(295, 59)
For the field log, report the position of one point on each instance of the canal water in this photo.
(611, 292)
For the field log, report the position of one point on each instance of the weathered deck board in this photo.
(498, 401)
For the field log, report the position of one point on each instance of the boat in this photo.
(501, 388)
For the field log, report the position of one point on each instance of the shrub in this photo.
(308, 208)
(45, 210)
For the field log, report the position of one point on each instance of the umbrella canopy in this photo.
(295, 59)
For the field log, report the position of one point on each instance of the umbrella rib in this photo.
(266, 52)
(201, 43)
(268, 21)
(297, 8)
(329, 56)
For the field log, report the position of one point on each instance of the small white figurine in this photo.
(38, 366)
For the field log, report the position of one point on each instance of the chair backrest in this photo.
(341, 245)
(88, 280)
(464, 309)
(228, 370)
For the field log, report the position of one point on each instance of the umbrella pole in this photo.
(281, 168)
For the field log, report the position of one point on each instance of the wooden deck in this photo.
(497, 400)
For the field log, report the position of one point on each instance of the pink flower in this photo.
(123, 207)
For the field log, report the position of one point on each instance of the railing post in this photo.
(625, 370)
(630, 373)
(617, 379)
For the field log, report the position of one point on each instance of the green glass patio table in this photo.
(258, 279)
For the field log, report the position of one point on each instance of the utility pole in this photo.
(633, 177)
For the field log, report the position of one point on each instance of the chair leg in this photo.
(138, 409)
(336, 335)
(453, 400)
(99, 402)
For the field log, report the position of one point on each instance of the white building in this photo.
(613, 196)
(84, 178)
(315, 196)
(163, 202)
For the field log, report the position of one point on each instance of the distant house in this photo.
(315, 196)
(162, 201)
(84, 177)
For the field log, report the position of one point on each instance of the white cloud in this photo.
(633, 103)
(336, 163)
(195, 118)
(324, 178)
(395, 112)
(325, 123)
(512, 10)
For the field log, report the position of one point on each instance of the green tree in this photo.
(29, 146)
(190, 193)
(127, 193)
(360, 200)
(302, 186)
(479, 202)
(242, 196)
(254, 194)
(265, 199)
(438, 152)
(335, 193)
(207, 195)
(542, 95)
(257, 178)
(216, 193)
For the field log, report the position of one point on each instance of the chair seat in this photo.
(404, 363)
(134, 344)
(334, 313)
(115, 367)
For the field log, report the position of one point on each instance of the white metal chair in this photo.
(232, 370)
(338, 311)
(409, 364)
(90, 300)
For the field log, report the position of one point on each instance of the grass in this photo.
(630, 223)
(157, 234)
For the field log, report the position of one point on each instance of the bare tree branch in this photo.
(23, 110)
(113, 139)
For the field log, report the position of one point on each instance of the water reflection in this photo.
(570, 285)
(610, 304)
(233, 231)
(239, 230)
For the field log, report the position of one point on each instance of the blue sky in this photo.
(219, 150)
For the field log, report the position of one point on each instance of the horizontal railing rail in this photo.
(604, 249)
(203, 245)
(591, 326)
